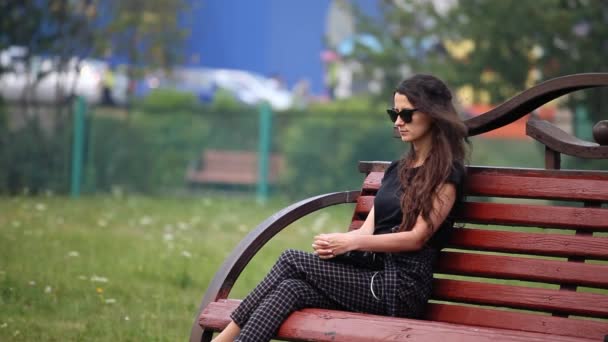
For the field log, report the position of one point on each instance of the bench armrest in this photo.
(224, 279)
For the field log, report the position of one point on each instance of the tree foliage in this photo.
(146, 33)
(502, 47)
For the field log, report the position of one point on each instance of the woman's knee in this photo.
(295, 287)
(289, 255)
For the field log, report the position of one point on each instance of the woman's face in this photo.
(419, 128)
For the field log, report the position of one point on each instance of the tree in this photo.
(513, 44)
(146, 33)
(58, 29)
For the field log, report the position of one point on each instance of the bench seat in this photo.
(331, 325)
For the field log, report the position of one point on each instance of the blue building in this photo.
(271, 37)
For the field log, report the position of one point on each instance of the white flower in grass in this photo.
(97, 279)
(3, 325)
(183, 226)
(48, 289)
(32, 283)
(110, 301)
(73, 254)
(187, 254)
(127, 318)
(102, 222)
(146, 220)
(81, 277)
(40, 206)
(168, 237)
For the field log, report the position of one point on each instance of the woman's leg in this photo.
(282, 269)
(228, 334)
(346, 285)
(289, 296)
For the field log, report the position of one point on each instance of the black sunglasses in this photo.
(405, 114)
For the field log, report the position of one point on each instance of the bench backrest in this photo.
(534, 240)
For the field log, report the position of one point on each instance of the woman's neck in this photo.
(422, 148)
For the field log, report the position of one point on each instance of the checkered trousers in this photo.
(299, 280)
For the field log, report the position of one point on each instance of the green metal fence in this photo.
(103, 149)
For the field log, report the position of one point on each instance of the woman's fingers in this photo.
(324, 252)
(321, 242)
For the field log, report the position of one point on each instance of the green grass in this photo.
(128, 268)
(110, 268)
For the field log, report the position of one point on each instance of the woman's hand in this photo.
(328, 246)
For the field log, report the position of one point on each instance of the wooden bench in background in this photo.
(232, 167)
(493, 282)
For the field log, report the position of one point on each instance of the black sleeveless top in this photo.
(387, 204)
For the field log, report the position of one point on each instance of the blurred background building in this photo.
(153, 90)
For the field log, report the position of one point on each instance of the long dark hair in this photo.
(431, 96)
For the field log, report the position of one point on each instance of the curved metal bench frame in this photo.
(224, 279)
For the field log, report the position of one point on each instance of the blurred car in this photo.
(53, 86)
(247, 87)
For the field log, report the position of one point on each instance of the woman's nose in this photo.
(399, 122)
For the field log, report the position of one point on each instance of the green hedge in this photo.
(31, 160)
(323, 151)
(149, 152)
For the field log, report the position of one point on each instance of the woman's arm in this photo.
(368, 226)
(396, 242)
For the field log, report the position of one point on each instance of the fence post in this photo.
(79, 111)
(265, 126)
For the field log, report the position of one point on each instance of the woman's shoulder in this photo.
(392, 166)
(457, 173)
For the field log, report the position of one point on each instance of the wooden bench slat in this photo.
(483, 317)
(364, 205)
(225, 177)
(525, 183)
(557, 245)
(505, 267)
(595, 219)
(484, 184)
(592, 219)
(331, 325)
(568, 302)
(373, 180)
(355, 224)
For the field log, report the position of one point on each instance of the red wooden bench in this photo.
(492, 283)
(232, 167)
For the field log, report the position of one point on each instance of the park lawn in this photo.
(116, 268)
(124, 268)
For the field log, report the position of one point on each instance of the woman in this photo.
(404, 231)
